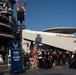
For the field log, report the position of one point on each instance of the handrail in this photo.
(6, 33)
(5, 24)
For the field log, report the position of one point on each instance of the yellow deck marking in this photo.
(3, 65)
(59, 67)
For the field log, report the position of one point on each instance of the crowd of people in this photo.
(49, 58)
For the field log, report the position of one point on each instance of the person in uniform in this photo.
(40, 59)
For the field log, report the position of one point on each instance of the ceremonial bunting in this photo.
(18, 4)
(23, 4)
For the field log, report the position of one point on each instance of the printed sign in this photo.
(16, 61)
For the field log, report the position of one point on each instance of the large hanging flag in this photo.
(35, 50)
(34, 56)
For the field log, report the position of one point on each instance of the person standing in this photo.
(1, 59)
(54, 57)
(39, 58)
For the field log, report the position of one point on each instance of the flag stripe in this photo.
(34, 55)
(35, 50)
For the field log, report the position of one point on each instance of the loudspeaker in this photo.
(20, 15)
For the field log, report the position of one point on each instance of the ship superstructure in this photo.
(8, 25)
(62, 38)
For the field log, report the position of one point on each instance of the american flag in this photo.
(35, 50)
(34, 55)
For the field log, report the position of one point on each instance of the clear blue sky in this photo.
(43, 14)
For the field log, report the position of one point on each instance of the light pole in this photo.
(20, 17)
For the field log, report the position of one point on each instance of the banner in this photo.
(16, 61)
